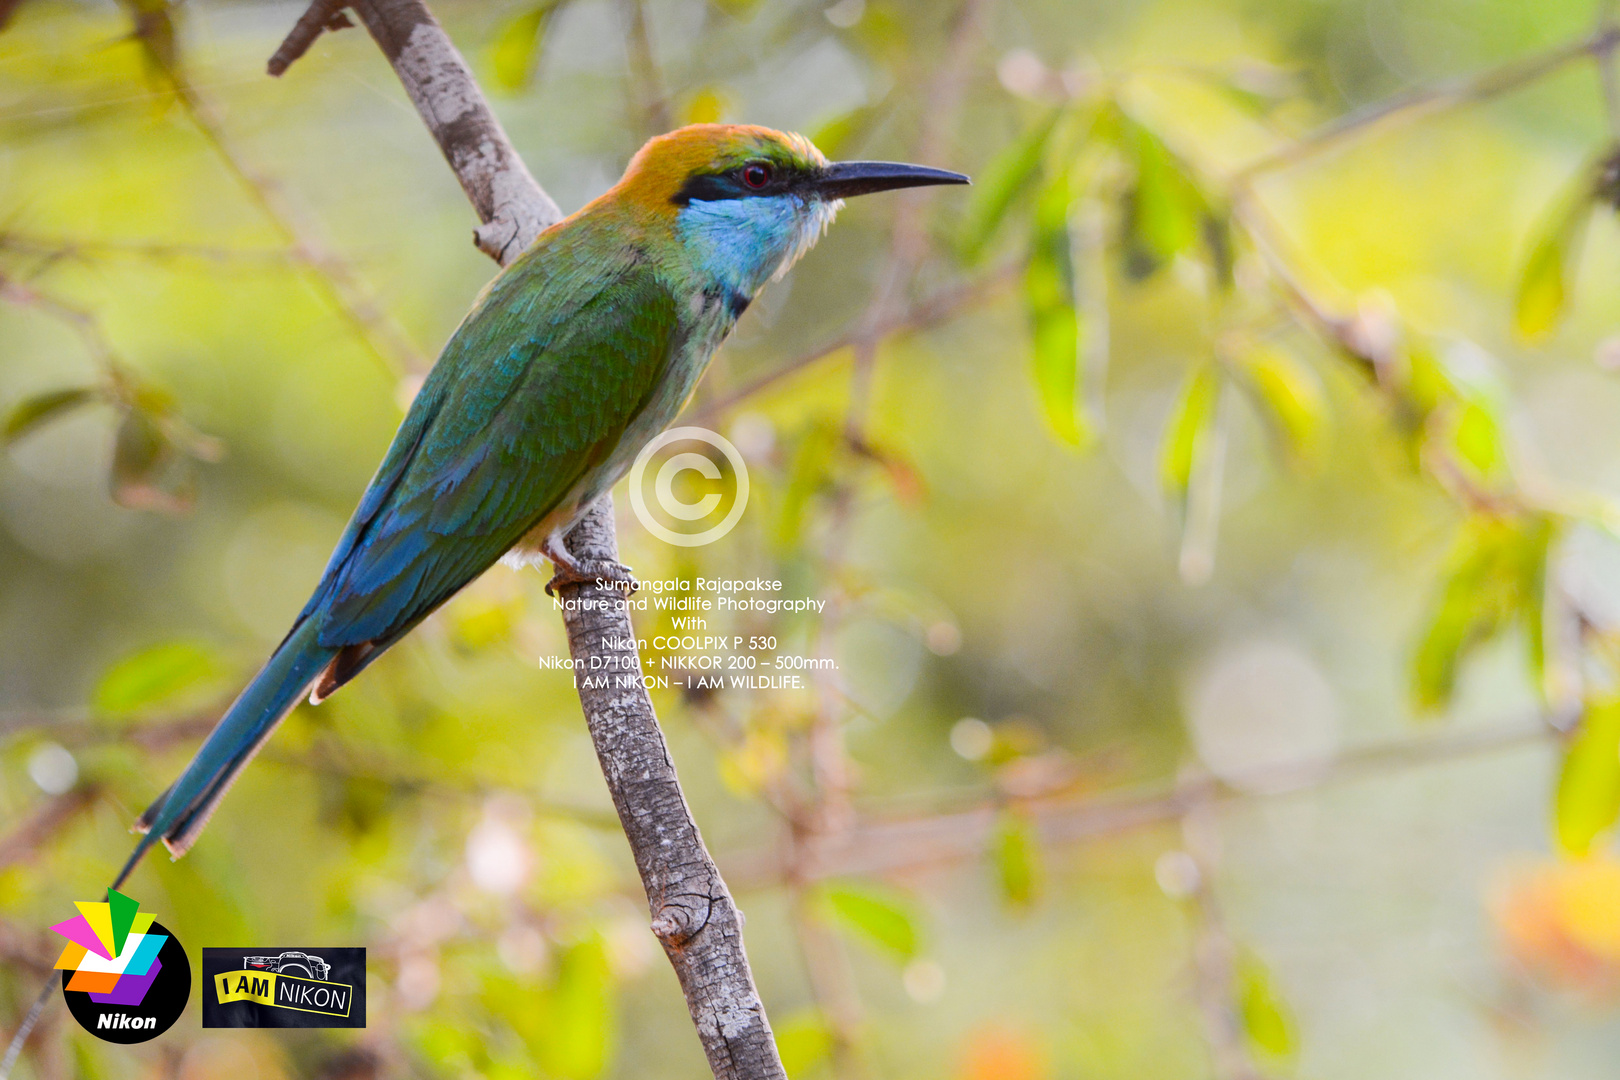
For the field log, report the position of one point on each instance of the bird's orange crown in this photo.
(665, 165)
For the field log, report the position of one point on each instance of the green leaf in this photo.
(33, 411)
(884, 917)
(139, 448)
(1548, 275)
(169, 675)
(1188, 429)
(148, 472)
(515, 52)
(1267, 1021)
(579, 1036)
(1017, 855)
(567, 1026)
(153, 457)
(1455, 409)
(1588, 799)
(1533, 604)
(1165, 211)
(997, 187)
(1290, 397)
(1218, 241)
(1049, 297)
(804, 1040)
(809, 474)
(1478, 439)
(1495, 575)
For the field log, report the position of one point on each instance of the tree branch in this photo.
(692, 911)
(511, 206)
(321, 15)
(1426, 99)
(898, 844)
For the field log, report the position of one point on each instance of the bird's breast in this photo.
(712, 312)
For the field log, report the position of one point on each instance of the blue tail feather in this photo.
(179, 814)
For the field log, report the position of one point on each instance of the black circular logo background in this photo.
(165, 1001)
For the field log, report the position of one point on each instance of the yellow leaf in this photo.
(1267, 1020)
(1588, 798)
(1494, 575)
(708, 105)
(881, 915)
(804, 1040)
(515, 51)
(1188, 427)
(1017, 855)
(1548, 273)
(1290, 395)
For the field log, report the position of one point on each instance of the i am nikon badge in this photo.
(289, 988)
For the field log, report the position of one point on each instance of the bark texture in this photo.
(692, 910)
(693, 914)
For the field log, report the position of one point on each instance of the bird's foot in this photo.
(572, 571)
(591, 571)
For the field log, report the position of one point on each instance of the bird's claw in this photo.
(588, 571)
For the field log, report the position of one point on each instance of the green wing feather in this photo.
(535, 389)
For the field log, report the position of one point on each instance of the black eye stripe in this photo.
(708, 187)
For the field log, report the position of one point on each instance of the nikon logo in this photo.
(295, 993)
(285, 988)
(284, 991)
(124, 1022)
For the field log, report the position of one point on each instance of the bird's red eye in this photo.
(756, 176)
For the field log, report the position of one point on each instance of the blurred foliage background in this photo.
(1215, 506)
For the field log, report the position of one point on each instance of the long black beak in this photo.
(842, 179)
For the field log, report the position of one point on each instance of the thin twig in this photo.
(1424, 100)
(1214, 954)
(55, 248)
(332, 275)
(82, 322)
(938, 308)
(319, 16)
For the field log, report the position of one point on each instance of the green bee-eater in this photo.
(578, 353)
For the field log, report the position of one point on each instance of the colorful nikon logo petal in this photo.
(106, 963)
(125, 978)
